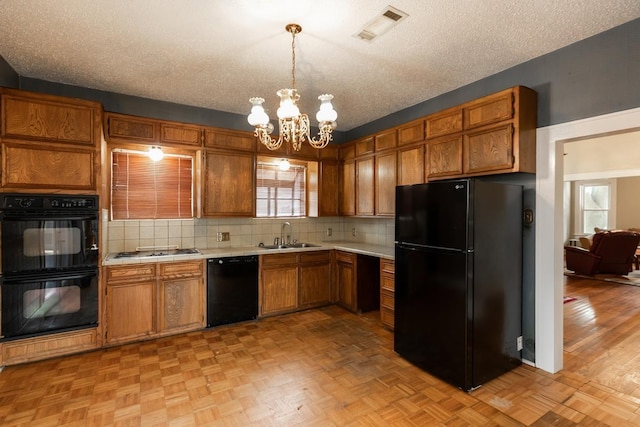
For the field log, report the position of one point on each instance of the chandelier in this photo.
(294, 126)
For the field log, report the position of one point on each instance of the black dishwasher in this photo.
(232, 289)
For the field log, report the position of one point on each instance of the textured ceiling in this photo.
(218, 53)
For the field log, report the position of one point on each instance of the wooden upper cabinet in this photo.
(130, 128)
(411, 132)
(232, 140)
(365, 146)
(330, 152)
(365, 190)
(229, 182)
(444, 157)
(47, 118)
(444, 123)
(183, 134)
(498, 136)
(488, 150)
(488, 110)
(126, 128)
(38, 166)
(385, 184)
(348, 185)
(347, 151)
(328, 185)
(49, 143)
(386, 140)
(411, 165)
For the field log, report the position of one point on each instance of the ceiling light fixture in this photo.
(284, 165)
(156, 154)
(294, 126)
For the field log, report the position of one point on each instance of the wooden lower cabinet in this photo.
(45, 347)
(294, 281)
(278, 284)
(315, 279)
(387, 292)
(357, 281)
(153, 299)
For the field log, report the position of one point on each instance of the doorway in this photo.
(550, 225)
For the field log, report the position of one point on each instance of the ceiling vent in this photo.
(382, 23)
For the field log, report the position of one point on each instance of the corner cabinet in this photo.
(357, 281)
(49, 142)
(492, 135)
(153, 299)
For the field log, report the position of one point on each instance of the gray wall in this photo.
(594, 76)
(8, 76)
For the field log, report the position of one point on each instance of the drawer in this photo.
(345, 257)
(387, 299)
(387, 281)
(278, 259)
(318, 256)
(181, 268)
(387, 317)
(387, 266)
(130, 273)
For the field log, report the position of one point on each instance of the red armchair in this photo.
(610, 252)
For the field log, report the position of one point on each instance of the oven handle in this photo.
(56, 275)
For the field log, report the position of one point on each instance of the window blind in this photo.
(144, 189)
(280, 193)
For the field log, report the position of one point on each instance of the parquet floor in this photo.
(329, 367)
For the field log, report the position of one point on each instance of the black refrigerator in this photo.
(458, 279)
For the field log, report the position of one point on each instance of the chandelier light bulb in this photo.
(326, 113)
(284, 165)
(288, 108)
(258, 117)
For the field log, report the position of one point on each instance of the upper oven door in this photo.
(32, 242)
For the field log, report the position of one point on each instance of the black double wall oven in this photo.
(49, 263)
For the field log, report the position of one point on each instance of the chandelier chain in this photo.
(293, 58)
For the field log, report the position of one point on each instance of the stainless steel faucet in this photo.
(282, 235)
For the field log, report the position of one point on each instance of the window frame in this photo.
(274, 164)
(143, 152)
(580, 187)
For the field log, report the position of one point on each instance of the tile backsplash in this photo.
(202, 233)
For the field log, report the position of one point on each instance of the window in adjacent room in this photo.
(145, 189)
(280, 193)
(596, 199)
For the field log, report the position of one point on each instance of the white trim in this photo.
(549, 282)
(588, 176)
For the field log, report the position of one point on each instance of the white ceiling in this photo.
(218, 53)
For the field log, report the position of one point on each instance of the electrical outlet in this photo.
(329, 232)
(519, 342)
(353, 232)
(218, 237)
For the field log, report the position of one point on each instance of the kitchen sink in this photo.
(290, 246)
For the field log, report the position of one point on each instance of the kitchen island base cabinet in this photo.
(153, 299)
(358, 281)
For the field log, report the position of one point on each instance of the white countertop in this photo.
(355, 247)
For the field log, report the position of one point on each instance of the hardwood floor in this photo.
(329, 367)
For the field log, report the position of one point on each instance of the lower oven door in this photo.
(35, 305)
